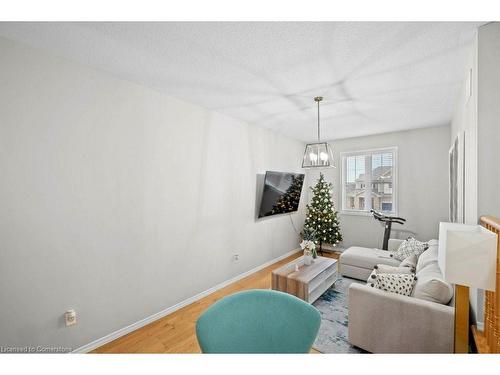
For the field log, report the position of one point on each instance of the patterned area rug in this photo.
(333, 305)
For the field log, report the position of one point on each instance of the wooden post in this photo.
(461, 319)
(495, 346)
(488, 341)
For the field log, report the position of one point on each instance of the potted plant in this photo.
(308, 245)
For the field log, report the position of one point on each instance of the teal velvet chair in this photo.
(258, 321)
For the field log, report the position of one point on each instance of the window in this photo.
(369, 181)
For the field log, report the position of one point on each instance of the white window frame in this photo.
(368, 169)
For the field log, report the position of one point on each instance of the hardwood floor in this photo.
(175, 333)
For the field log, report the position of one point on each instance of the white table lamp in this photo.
(467, 258)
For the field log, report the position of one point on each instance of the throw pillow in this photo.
(410, 246)
(394, 283)
(384, 268)
(411, 261)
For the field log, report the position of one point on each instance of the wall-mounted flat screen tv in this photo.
(281, 193)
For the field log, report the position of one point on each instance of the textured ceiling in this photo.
(375, 77)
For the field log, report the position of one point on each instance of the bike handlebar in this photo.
(381, 217)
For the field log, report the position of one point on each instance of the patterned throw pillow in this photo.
(394, 283)
(410, 246)
(383, 268)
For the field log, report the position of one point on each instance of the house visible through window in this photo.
(368, 181)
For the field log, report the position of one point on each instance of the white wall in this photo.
(478, 117)
(422, 184)
(464, 123)
(119, 201)
(488, 131)
(488, 128)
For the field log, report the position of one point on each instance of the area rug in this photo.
(333, 306)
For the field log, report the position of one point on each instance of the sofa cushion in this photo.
(409, 247)
(354, 272)
(428, 256)
(394, 283)
(365, 257)
(383, 268)
(431, 286)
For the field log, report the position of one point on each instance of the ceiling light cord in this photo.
(317, 99)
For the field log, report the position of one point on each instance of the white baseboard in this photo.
(141, 323)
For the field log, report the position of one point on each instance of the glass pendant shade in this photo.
(318, 155)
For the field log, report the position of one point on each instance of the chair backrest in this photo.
(258, 321)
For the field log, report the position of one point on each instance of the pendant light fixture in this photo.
(318, 155)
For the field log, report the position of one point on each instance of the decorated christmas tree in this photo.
(321, 215)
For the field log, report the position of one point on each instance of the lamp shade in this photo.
(318, 155)
(467, 255)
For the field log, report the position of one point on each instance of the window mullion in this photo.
(368, 182)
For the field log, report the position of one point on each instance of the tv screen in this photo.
(281, 193)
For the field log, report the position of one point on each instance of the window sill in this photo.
(356, 213)
(365, 213)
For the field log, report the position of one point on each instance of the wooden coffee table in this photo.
(309, 282)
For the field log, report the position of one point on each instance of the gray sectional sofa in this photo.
(383, 322)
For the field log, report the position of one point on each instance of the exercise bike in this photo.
(387, 222)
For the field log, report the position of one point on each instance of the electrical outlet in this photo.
(70, 317)
(236, 257)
